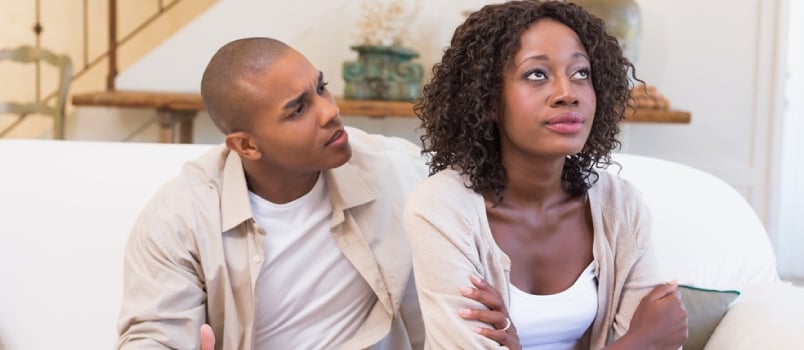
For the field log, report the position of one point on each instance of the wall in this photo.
(717, 59)
(790, 221)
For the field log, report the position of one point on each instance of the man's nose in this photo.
(329, 111)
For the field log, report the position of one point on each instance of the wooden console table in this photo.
(176, 111)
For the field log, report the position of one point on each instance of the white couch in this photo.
(66, 208)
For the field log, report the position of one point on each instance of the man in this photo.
(289, 236)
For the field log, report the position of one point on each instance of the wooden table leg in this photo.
(176, 126)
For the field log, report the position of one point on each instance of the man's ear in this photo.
(243, 144)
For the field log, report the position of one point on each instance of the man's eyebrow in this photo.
(292, 104)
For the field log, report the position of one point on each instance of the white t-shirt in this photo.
(557, 321)
(308, 296)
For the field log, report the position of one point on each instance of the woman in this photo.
(521, 111)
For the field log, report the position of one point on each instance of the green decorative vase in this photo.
(623, 21)
(383, 73)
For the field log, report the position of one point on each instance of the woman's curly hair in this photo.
(460, 106)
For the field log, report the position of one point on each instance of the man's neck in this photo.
(278, 186)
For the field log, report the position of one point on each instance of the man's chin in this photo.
(342, 157)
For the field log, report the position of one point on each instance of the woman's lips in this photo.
(565, 123)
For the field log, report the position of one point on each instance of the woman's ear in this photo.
(243, 143)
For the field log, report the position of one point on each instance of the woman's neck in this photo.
(534, 184)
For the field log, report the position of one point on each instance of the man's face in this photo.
(296, 125)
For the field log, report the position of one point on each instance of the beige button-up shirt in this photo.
(195, 253)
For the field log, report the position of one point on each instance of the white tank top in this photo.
(557, 321)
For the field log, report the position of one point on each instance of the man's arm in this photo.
(163, 294)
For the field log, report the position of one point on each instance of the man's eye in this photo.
(298, 111)
(322, 86)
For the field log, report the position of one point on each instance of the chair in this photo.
(29, 54)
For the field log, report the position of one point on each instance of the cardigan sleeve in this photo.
(643, 274)
(441, 222)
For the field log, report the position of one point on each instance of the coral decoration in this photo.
(384, 22)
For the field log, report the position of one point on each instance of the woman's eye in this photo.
(535, 75)
(582, 74)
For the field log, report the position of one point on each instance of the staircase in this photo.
(100, 44)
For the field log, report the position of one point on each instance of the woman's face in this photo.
(548, 102)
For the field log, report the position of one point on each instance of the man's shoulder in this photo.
(385, 154)
(366, 144)
(195, 187)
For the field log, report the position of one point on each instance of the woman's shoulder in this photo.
(444, 191)
(621, 207)
(614, 192)
(445, 182)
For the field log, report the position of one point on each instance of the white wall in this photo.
(715, 58)
(790, 238)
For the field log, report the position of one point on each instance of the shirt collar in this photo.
(346, 190)
(235, 206)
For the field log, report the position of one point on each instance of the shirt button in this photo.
(257, 258)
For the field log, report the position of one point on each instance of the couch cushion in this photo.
(66, 209)
(763, 317)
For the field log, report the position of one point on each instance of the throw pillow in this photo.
(705, 309)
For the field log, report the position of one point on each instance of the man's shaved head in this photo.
(230, 105)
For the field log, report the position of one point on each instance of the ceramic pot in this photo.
(383, 73)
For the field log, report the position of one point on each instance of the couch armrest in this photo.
(763, 317)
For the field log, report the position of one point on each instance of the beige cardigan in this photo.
(450, 239)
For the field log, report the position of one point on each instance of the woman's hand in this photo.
(503, 331)
(660, 320)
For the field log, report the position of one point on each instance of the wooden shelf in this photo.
(177, 110)
(374, 108)
(141, 99)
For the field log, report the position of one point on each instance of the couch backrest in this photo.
(705, 232)
(66, 209)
